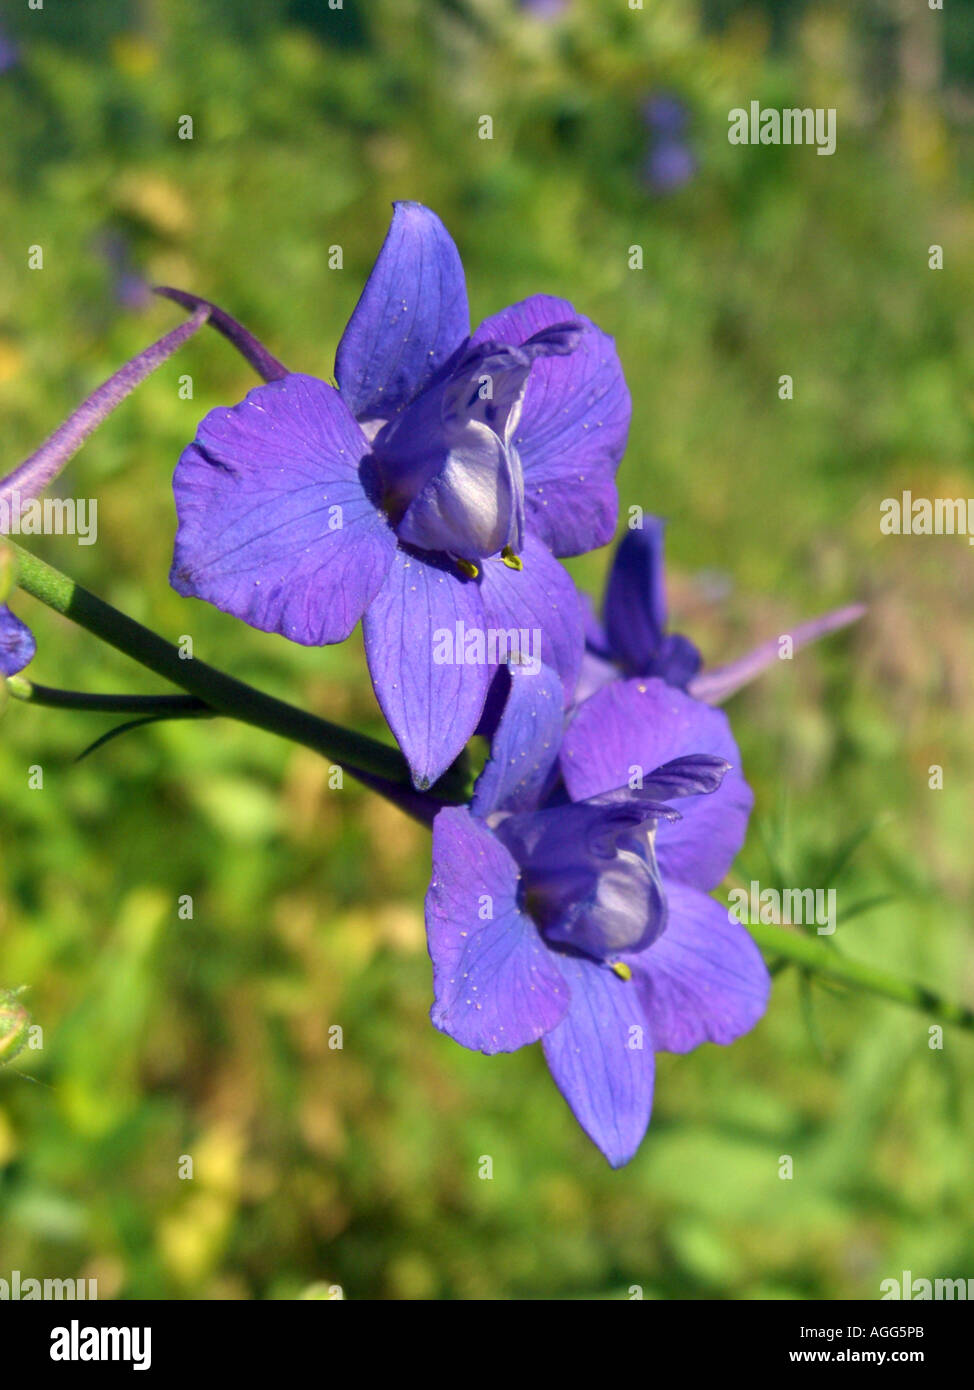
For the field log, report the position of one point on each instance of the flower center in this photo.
(450, 475)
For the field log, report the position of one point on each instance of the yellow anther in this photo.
(622, 970)
(512, 561)
(467, 568)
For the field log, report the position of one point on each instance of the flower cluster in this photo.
(438, 485)
(434, 490)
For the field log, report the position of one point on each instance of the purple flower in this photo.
(17, 645)
(670, 162)
(669, 165)
(632, 639)
(431, 490)
(9, 53)
(570, 901)
(545, 9)
(665, 114)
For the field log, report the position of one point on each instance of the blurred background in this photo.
(209, 1037)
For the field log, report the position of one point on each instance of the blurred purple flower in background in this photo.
(544, 9)
(9, 52)
(131, 290)
(670, 162)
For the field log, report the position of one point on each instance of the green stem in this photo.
(823, 958)
(220, 692)
(33, 694)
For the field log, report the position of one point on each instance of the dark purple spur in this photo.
(430, 492)
(631, 639)
(569, 902)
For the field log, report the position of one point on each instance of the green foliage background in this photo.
(210, 1037)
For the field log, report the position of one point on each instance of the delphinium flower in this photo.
(430, 492)
(570, 902)
(9, 52)
(670, 162)
(631, 639)
(544, 9)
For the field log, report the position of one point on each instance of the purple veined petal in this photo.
(264, 363)
(424, 640)
(17, 645)
(525, 747)
(635, 597)
(601, 1058)
(43, 466)
(703, 980)
(275, 525)
(412, 316)
(539, 602)
(719, 683)
(636, 726)
(573, 427)
(496, 985)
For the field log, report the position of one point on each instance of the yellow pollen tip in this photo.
(467, 568)
(622, 970)
(512, 561)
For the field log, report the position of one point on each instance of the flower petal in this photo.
(601, 1057)
(275, 525)
(411, 317)
(17, 645)
(432, 705)
(541, 600)
(644, 724)
(635, 596)
(702, 980)
(497, 986)
(525, 747)
(573, 428)
(716, 685)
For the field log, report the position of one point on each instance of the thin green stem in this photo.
(33, 694)
(383, 767)
(824, 958)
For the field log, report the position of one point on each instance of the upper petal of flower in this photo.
(703, 979)
(411, 317)
(635, 597)
(432, 706)
(275, 524)
(525, 747)
(17, 645)
(601, 1057)
(642, 724)
(495, 983)
(573, 427)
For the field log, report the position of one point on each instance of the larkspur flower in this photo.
(670, 162)
(434, 487)
(570, 902)
(631, 639)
